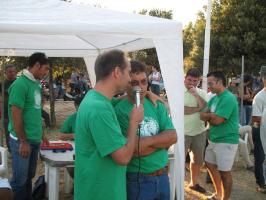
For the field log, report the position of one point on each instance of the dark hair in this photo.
(247, 78)
(137, 67)
(9, 66)
(218, 75)
(38, 57)
(107, 62)
(194, 72)
(78, 99)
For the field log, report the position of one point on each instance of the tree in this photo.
(149, 56)
(236, 29)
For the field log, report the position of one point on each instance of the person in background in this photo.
(74, 82)
(102, 152)
(67, 131)
(259, 131)
(155, 78)
(10, 77)
(25, 124)
(195, 100)
(157, 134)
(247, 100)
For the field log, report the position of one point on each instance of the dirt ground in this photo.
(244, 186)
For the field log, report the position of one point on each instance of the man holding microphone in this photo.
(102, 152)
(147, 176)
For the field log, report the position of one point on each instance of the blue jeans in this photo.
(23, 170)
(148, 187)
(246, 115)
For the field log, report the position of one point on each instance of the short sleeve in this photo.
(17, 95)
(257, 107)
(66, 127)
(164, 118)
(204, 95)
(106, 133)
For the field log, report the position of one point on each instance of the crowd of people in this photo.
(121, 146)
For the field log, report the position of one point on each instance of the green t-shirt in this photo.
(69, 124)
(225, 106)
(156, 120)
(98, 134)
(26, 95)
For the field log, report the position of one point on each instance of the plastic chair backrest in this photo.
(3, 165)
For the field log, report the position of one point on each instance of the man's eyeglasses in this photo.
(137, 83)
(210, 84)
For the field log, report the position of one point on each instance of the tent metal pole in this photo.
(2, 105)
(242, 93)
(207, 46)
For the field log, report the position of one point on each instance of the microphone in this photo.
(136, 93)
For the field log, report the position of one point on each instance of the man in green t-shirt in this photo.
(222, 116)
(67, 131)
(25, 124)
(147, 176)
(102, 152)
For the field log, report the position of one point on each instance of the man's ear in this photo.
(116, 72)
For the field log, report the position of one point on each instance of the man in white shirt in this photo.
(259, 132)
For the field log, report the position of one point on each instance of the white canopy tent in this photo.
(62, 29)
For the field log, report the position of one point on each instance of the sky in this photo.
(183, 10)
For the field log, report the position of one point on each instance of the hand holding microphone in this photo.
(136, 92)
(137, 113)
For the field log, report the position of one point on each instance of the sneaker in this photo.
(212, 197)
(198, 188)
(261, 189)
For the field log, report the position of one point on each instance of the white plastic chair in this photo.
(241, 141)
(3, 166)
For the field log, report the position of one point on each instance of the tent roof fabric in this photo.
(53, 26)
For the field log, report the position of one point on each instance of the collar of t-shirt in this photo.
(29, 75)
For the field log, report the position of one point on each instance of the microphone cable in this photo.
(138, 174)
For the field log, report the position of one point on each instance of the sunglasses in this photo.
(138, 83)
(210, 84)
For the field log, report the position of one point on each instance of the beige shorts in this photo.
(195, 145)
(222, 155)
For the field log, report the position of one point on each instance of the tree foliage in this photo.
(237, 28)
(149, 56)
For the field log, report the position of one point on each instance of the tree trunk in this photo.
(52, 99)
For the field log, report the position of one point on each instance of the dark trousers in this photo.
(259, 157)
(46, 118)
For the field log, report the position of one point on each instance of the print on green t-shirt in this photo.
(225, 105)
(26, 95)
(98, 134)
(156, 120)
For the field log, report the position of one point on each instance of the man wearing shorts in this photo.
(223, 118)
(195, 137)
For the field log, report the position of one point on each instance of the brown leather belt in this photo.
(158, 172)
